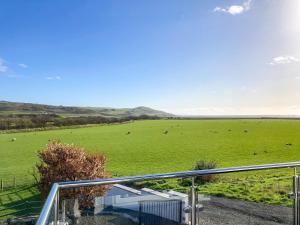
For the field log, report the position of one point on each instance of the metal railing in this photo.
(53, 197)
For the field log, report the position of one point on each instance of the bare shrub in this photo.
(205, 165)
(64, 162)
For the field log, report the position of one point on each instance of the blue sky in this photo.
(185, 57)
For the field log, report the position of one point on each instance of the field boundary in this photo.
(13, 131)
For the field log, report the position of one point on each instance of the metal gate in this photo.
(161, 212)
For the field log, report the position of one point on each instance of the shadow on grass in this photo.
(21, 201)
(17, 189)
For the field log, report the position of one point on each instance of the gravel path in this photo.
(219, 211)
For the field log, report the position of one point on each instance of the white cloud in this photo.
(219, 9)
(283, 60)
(234, 9)
(23, 65)
(53, 78)
(3, 67)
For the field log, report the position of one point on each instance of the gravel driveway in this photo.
(219, 211)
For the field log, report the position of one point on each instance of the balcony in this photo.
(125, 203)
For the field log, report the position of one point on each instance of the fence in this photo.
(19, 199)
(25, 211)
(11, 184)
(12, 181)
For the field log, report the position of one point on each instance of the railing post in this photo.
(296, 198)
(63, 206)
(56, 208)
(194, 210)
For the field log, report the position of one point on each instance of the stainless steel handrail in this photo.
(48, 205)
(72, 184)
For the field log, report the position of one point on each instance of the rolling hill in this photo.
(24, 108)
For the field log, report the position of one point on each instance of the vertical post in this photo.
(140, 213)
(56, 208)
(193, 190)
(63, 206)
(296, 197)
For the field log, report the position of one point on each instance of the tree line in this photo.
(27, 121)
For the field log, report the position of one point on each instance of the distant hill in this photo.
(24, 108)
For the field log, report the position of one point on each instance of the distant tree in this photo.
(4, 124)
(64, 162)
(40, 120)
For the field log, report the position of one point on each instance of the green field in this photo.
(148, 149)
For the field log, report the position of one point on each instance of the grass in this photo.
(19, 201)
(145, 147)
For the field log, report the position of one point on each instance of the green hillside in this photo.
(21, 108)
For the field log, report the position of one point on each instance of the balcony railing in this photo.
(126, 205)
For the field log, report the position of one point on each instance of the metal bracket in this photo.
(188, 209)
(291, 195)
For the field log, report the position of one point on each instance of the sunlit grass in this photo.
(144, 147)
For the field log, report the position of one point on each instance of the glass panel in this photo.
(247, 199)
(126, 205)
(241, 198)
(50, 219)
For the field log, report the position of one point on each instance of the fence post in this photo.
(15, 182)
(296, 197)
(1, 185)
